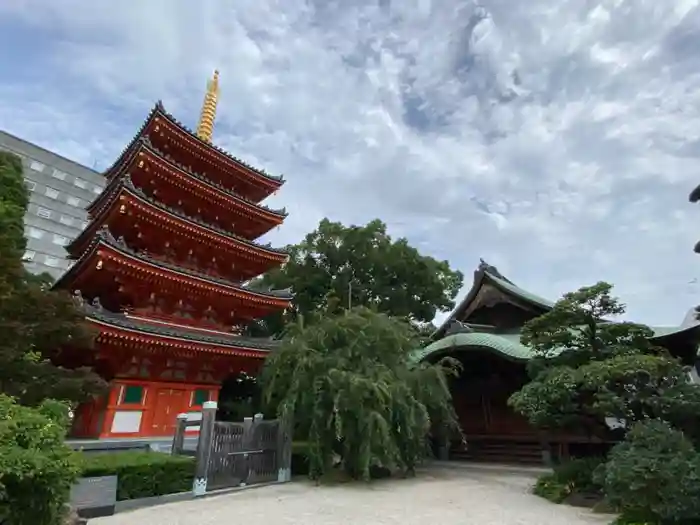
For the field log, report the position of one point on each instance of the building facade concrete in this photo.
(60, 189)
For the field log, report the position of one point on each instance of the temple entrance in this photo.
(480, 395)
(493, 431)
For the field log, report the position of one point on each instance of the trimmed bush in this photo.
(654, 476)
(141, 474)
(550, 488)
(37, 470)
(575, 476)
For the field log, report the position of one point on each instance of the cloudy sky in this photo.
(558, 140)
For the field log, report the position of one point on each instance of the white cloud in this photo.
(559, 139)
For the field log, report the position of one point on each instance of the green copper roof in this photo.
(508, 345)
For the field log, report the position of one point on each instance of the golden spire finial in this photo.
(205, 127)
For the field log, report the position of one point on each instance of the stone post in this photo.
(204, 445)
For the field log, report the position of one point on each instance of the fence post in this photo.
(179, 437)
(249, 424)
(204, 445)
(284, 450)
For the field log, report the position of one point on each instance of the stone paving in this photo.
(445, 496)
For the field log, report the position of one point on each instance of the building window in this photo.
(54, 262)
(35, 233)
(132, 395)
(36, 165)
(58, 174)
(201, 396)
(73, 201)
(29, 255)
(51, 193)
(65, 219)
(30, 184)
(96, 190)
(60, 240)
(80, 183)
(43, 212)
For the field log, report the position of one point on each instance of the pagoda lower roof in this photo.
(144, 144)
(220, 342)
(128, 186)
(159, 110)
(105, 238)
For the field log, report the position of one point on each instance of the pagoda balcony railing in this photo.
(281, 212)
(120, 244)
(129, 185)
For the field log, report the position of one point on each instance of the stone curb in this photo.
(141, 503)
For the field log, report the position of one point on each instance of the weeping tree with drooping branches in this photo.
(355, 395)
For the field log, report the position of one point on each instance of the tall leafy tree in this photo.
(588, 368)
(349, 385)
(36, 324)
(337, 267)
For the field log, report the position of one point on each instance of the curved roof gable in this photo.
(488, 274)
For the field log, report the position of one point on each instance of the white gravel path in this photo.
(437, 496)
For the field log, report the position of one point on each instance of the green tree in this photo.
(37, 469)
(337, 267)
(36, 324)
(587, 368)
(349, 385)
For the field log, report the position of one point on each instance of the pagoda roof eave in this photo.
(129, 188)
(486, 274)
(159, 109)
(143, 144)
(105, 239)
(277, 180)
(232, 342)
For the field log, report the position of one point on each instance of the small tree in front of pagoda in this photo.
(358, 401)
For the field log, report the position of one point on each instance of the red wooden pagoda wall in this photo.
(138, 408)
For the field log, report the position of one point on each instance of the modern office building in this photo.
(60, 191)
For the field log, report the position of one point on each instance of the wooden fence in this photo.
(236, 454)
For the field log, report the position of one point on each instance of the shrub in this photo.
(579, 474)
(575, 476)
(654, 476)
(141, 474)
(37, 470)
(550, 488)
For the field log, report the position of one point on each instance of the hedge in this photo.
(141, 474)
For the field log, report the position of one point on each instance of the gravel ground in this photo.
(448, 496)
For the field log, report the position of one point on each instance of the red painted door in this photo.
(169, 403)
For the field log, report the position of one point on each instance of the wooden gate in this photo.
(238, 454)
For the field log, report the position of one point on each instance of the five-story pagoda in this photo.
(161, 269)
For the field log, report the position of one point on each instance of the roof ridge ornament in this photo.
(491, 269)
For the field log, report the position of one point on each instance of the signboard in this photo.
(94, 497)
